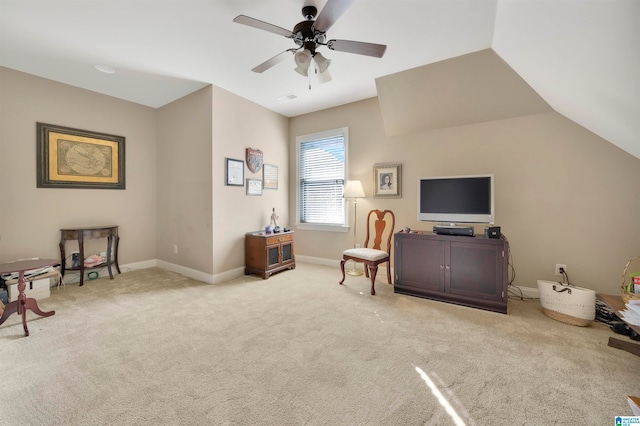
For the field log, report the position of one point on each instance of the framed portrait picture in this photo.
(269, 176)
(387, 180)
(254, 187)
(74, 158)
(235, 172)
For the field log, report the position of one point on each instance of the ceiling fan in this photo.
(310, 34)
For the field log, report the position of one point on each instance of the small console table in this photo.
(266, 254)
(23, 302)
(80, 234)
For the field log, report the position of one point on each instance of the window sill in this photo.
(319, 227)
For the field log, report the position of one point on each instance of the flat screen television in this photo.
(456, 199)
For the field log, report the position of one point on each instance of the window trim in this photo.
(344, 132)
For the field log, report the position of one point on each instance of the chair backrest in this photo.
(380, 226)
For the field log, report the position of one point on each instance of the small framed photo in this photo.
(235, 172)
(387, 180)
(254, 187)
(269, 176)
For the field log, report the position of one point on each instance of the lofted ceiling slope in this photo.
(471, 88)
(581, 57)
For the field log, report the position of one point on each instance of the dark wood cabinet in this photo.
(266, 254)
(470, 271)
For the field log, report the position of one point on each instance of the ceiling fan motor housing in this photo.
(306, 34)
(309, 12)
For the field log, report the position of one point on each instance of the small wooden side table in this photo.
(266, 254)
(80, 234)
(23, 302)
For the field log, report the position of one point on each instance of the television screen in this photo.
(456, 199)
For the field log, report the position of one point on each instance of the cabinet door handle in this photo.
(448, 267)
(441, 266)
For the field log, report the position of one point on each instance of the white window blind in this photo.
(321, 179)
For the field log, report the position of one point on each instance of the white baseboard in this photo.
(318, 260)
(201, 276)
(528, 292)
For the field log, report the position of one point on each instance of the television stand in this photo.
(469, 271)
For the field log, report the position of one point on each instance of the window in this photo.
(321, 178)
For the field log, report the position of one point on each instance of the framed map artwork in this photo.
(74, 158)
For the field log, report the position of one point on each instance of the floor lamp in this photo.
(353, 189)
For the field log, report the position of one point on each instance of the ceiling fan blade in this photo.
(261, 25)
(330, 14)
(273, 61)
(361, 48)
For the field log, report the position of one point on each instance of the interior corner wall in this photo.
(562, 194)
(239, 124)
(184, 202)
(31, 217)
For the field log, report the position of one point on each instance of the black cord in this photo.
(510, 266)
(565, 276)
(512, 271)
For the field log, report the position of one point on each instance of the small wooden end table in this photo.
(109, 232)
(23, 302)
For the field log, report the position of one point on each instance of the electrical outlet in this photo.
(175, 249)
(558, 266)
(357, 245)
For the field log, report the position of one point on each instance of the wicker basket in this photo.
(633, 265)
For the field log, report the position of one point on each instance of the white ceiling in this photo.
(582, 56)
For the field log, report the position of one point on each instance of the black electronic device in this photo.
(492, 232)
(466, 231)
(456, 199)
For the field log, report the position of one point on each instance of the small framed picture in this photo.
(269, 176)
(235, 172)
(254, 187)
(387, 180)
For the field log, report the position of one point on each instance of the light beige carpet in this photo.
(154, 347)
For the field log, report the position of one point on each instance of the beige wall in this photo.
(30, 217)
(238, 125)
(184, 199)
(563, 195)
(175, 176)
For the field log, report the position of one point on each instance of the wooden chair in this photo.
(383, 226)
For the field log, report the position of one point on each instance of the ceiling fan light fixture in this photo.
(303, 60)
(324, 76)
(321, 62)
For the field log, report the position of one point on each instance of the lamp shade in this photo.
(353, 189)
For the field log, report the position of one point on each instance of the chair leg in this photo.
(389, 272)
(373, 271)
(342, 262)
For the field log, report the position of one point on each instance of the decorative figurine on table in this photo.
(274, 221)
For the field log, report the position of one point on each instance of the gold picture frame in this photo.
(387, 180)
(74, 158)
